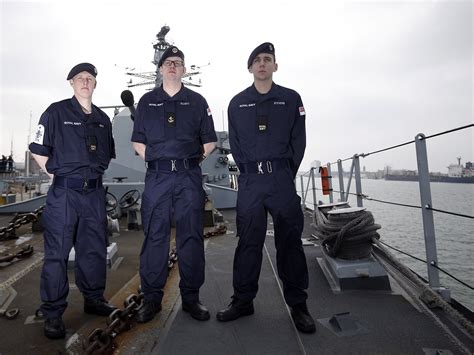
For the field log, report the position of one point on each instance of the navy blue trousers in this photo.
(274, 193)
(79, 219)
(166, 193)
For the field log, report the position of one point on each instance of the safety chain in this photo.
(101, 341)
(19, 220)
(24, 252)
(220, 229)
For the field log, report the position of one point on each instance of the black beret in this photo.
(170, 52)
(88, 67)
(266, 47)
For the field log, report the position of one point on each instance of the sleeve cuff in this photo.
(38, 149)
(138, 138)
(208, 138)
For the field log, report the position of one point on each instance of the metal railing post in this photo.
(331, 199)
(427, 213)
(303, 199)
(357, 181)
(340, 172)
(313, 186)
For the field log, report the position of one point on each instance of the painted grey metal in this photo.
(427, 213)
(331, 198)
(302, 192)
(313, 186)
(357, 180)
(340, 172)
(350, 180)
(23, 206)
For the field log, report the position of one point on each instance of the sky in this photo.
(372, 74)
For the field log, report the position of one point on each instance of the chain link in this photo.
(24, 252)
(19, 220)
(101, 341)
(220, 229)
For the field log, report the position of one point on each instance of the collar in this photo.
(181, 95)
(77, 106)
(252, 91)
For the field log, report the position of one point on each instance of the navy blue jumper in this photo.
(79, 148)
(267, 139)
(173, 129)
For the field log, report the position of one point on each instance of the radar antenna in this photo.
(155, 78)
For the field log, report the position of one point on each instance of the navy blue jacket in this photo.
(173, 127)
(63, 133)
(267, 126)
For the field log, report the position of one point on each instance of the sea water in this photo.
(402, 227)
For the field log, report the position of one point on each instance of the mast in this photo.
(160, 46)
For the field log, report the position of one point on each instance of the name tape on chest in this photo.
(252, 104)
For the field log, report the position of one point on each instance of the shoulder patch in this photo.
(39, 135)
(302, 111)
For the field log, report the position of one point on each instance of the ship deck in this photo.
(386, 322)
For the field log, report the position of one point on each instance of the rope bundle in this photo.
(347, 235)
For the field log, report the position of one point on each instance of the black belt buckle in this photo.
(85, 184)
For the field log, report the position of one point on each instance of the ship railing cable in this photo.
(361, 196)
(429, 295)
(363, 155)
(368, 198)
(434, 265)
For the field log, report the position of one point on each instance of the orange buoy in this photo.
(325, 180)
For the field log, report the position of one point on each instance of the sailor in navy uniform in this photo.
(173, 132)
(267, 140)
(74, 145)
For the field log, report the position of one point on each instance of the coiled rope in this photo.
(347, 235)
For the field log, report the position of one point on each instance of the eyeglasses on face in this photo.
(176, 63)
(86, 79)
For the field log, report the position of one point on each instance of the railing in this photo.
(425, 198)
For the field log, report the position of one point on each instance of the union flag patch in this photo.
(302, 111)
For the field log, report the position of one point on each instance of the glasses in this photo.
(176, 63)
(85, 80)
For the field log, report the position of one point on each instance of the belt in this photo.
(264, 167)
(172, 164)
(77, 184)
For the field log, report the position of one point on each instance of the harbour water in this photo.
(402, 227)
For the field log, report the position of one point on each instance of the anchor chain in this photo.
(24, 252)
(220, 229)
(8, 232)
(101, 341)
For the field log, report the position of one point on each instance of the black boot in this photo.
(236, 309)
(148, 311)
(54, 328)
(197, 310)
(303, 320)
(99, 307)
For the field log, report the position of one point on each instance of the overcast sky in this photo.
(371, 74)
